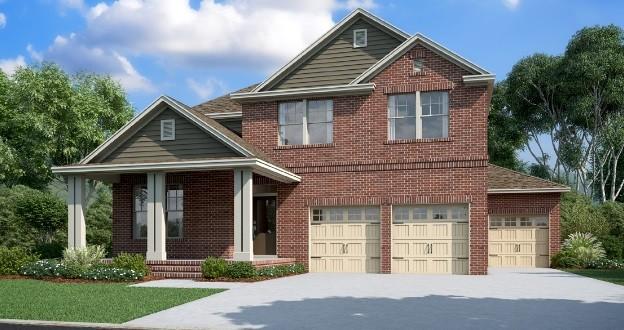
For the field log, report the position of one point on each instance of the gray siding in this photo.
(338, 63)
(234, 125)
(190, 142)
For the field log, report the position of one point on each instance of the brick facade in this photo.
(532, 204)
(361, 167)
(208, 227)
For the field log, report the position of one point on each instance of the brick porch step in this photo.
(177, 274)
(177, 269)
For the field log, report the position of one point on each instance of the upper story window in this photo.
(419, 115)
(306, 122)
(417, 66)
(167, 129)
(360, 38)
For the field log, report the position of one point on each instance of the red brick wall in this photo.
(362, 167)
(532, 204)
(208, 227)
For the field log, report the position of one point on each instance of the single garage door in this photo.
(518, 241)
(345, 239)
(430, 239)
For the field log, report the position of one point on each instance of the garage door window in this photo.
(353, 214)
(518, 221)
(428, 213)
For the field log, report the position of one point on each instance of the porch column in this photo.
(76, 227)
(156, 226)
(243, 228)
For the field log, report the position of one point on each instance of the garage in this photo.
(518, 241)
(345, 239)
(430, 239)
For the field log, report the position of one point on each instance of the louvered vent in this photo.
(167, 130)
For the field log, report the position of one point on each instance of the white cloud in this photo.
(511, 4)
(2, 20)
(354, 4)
(259, 34)
(9, 65)
(35, 55)
(75, 56)
(208, 88)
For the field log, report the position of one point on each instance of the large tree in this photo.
(48, 118)
(576, 100)
(505, 136)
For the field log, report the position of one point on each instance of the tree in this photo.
(42, 211)
(49, 118)
(99, 218)
(505, 136)
(576, 99)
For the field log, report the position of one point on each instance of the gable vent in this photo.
(167, 129)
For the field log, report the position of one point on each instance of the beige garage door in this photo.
(345, 239)
(430, 239)
(518, 241)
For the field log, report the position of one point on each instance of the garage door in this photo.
(518, 241)
(345, 239)
(430, 239)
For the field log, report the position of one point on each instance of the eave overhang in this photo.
(528, 191)
(285, 94)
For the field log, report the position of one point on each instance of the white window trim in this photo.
(355, 32)
(163, 122)
(306, 135)
(419, 116)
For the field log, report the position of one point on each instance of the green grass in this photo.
(610, 275)
(88, 302)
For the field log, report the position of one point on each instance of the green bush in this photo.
(579, 215)
(131, 261)
(13, 259)
(240, 269)
(83, 258)
(99, 218)
(53, 268)
(563, 260)
(280, 270)
(43, 211)
(580, 250)
(51, 250)
(614, 247)
(14, 231)
(214, 268)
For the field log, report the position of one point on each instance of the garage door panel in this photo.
(460, 249)
(517, 241)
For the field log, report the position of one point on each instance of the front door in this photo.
(264, 216)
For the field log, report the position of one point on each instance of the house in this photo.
(365, 153)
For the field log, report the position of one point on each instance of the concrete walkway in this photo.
(512, 299)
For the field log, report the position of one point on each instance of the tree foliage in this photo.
(504, 135)
(43, 211)
(48, 118)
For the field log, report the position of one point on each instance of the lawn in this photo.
(88, 302)
(610, 275)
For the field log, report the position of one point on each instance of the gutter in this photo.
(528, 191)
(360, 89)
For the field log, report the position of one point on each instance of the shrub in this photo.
(280, 270)
(214, 268)
(43, 211)
(53, 268)
(584, 249)
(579, 215)
(109, 273)
(563, 260)
(131, 261)
(614, 246)
(13, 259)
(240, 269)
(42, 268)
(83, 258)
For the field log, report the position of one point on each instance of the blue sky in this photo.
(196, 50)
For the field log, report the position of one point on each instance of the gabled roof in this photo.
(430, 44)
(314, 47)
(505, 181)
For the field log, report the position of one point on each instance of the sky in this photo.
(200, 49)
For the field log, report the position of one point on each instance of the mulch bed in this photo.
(245, 280)
(76, 280)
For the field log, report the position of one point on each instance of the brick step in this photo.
(177, 274)
(178, 269)
(174, 262)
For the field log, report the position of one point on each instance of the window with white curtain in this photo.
(306, 122)
(418, 115)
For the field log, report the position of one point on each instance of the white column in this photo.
(76, 227)
(156, 226)
(243, 219)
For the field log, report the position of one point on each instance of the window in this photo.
(306, 122)
(360, 38)
(525, 222)
(421, 213)
(419, 115)
(518, 221)
(139, 225)
(510, 222)
(417, 65)
(540, 221)
(353, 214)
(167, 130)
(174, 210)
(496, 222)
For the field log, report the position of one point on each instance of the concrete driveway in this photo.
(511, 299)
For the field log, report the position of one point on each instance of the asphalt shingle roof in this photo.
(503, 178)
